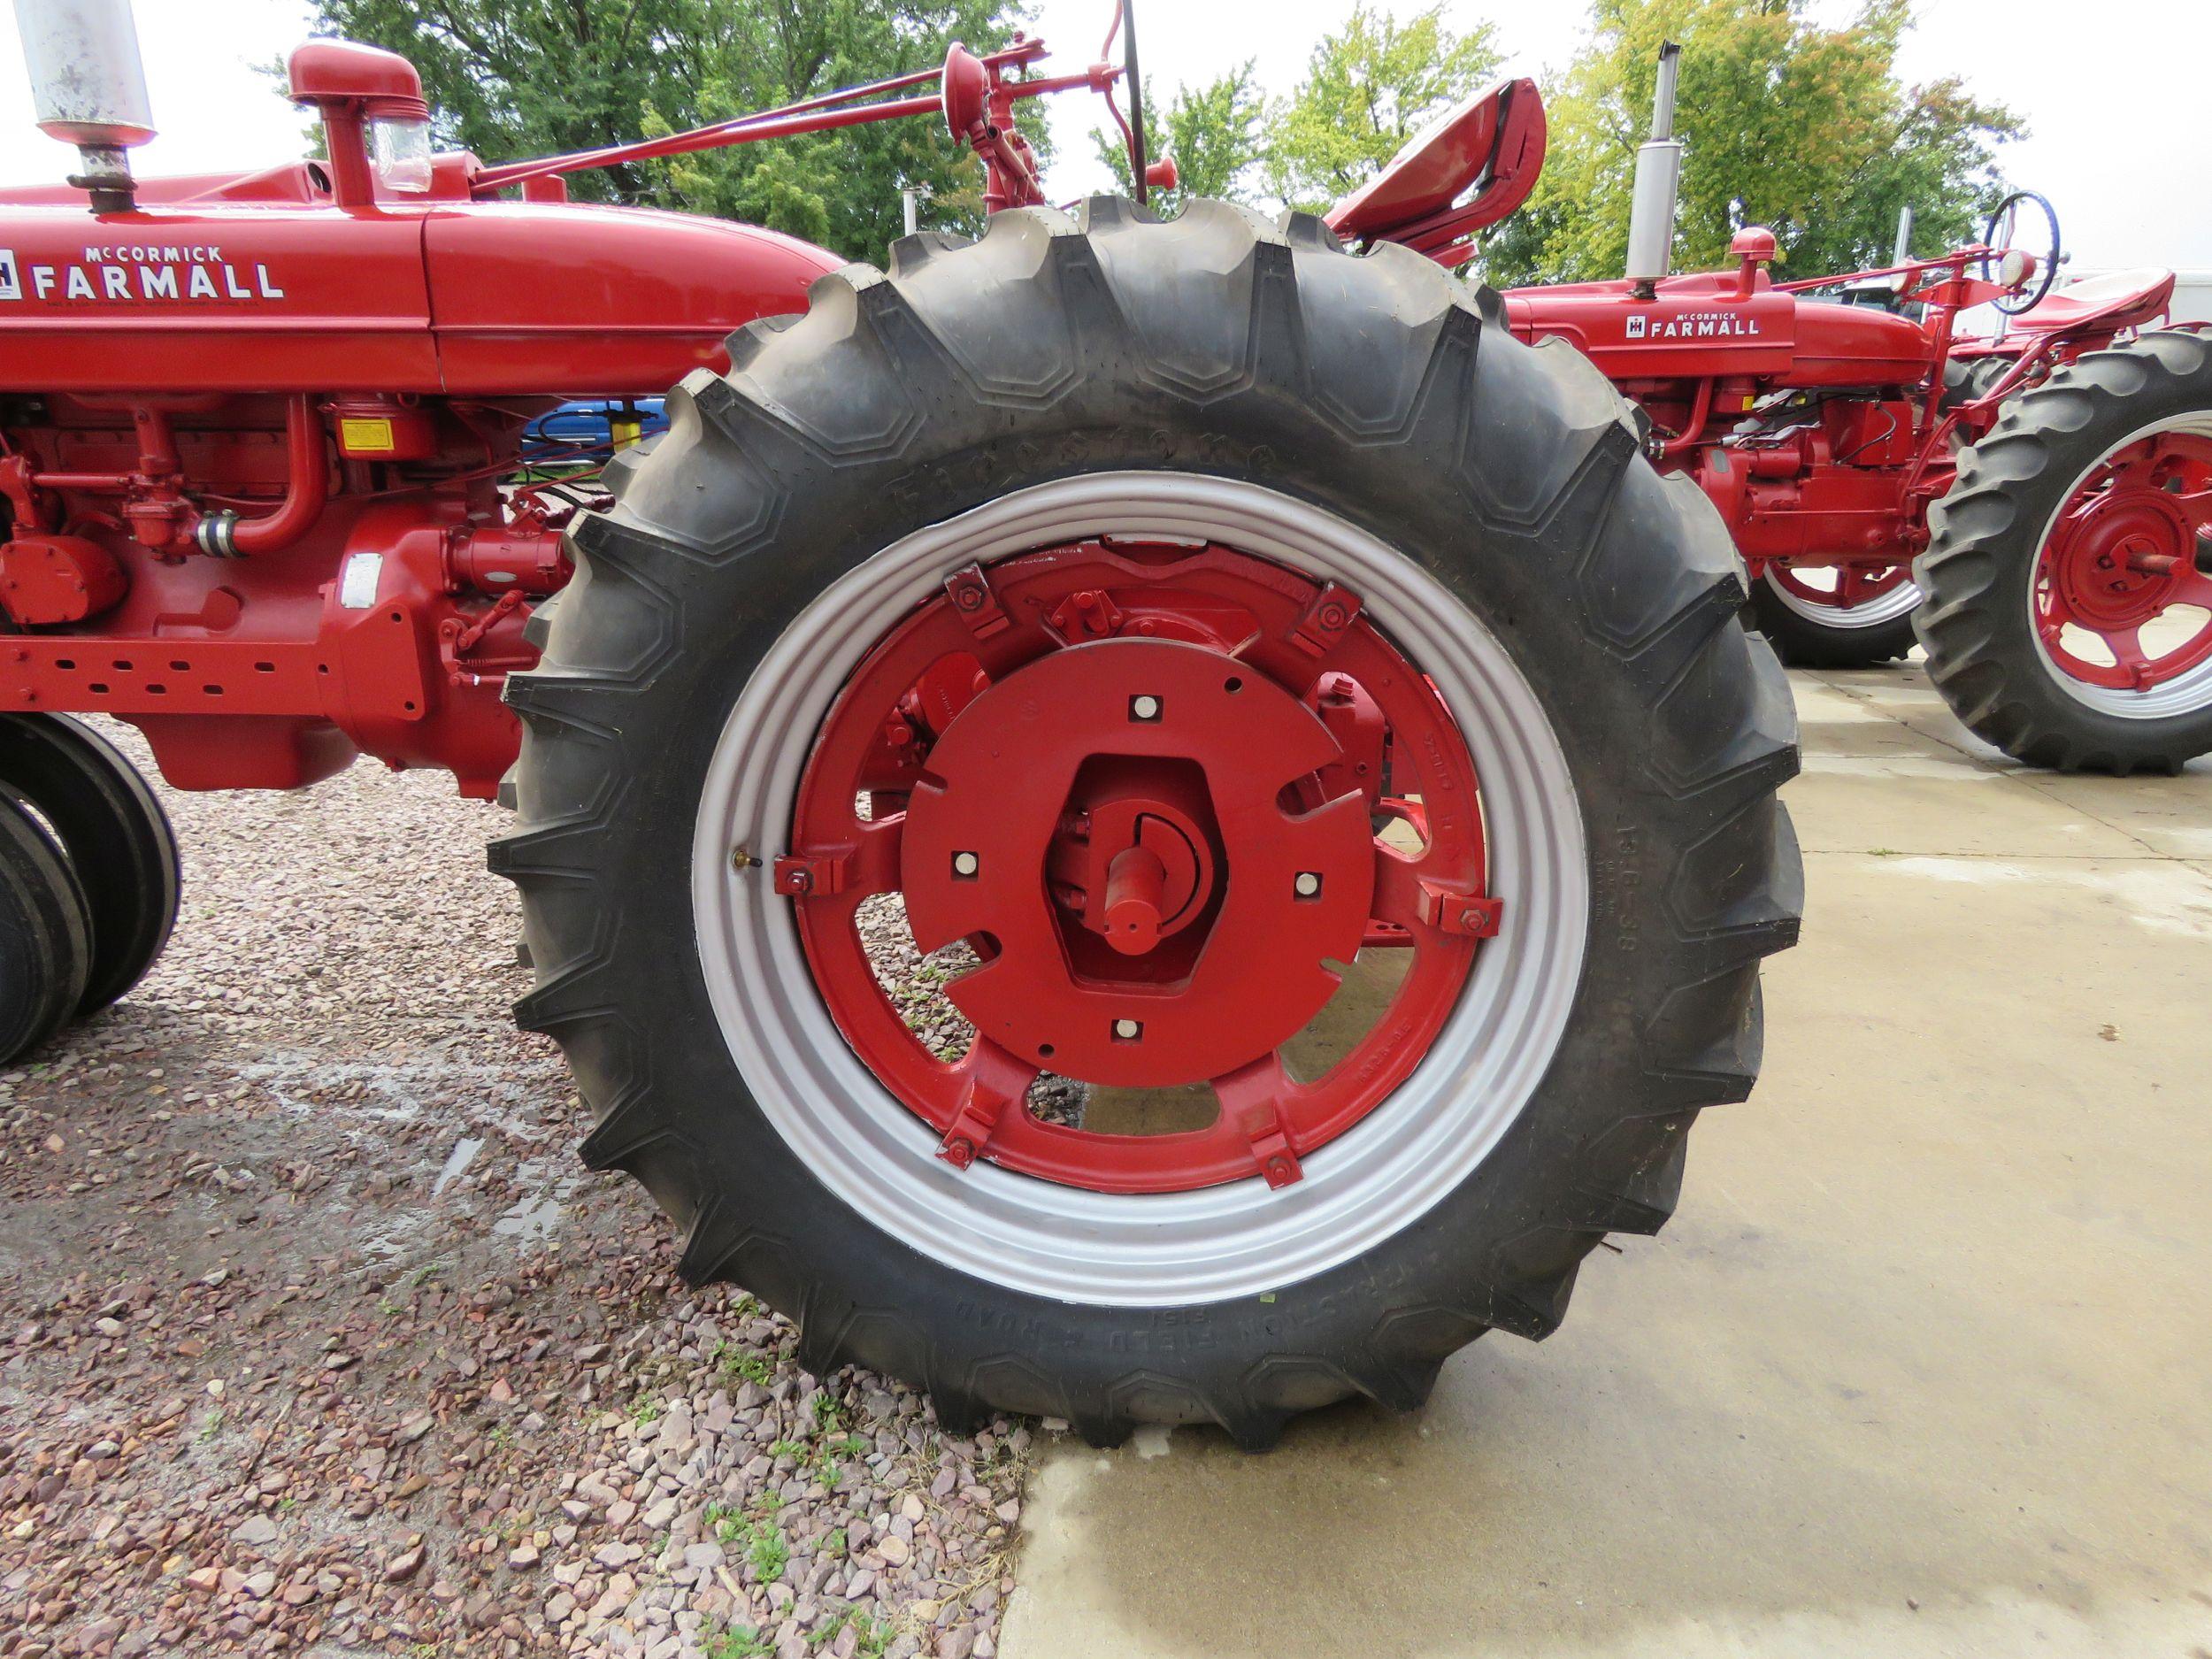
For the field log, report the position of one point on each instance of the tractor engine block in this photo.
(268, 586)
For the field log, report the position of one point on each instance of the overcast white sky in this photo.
(2121, 137)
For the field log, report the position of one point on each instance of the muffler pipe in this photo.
(88, 88)
(1658, 178)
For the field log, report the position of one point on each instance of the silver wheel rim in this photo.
(1165, 1249)
(2184, 694)
(1884, 607)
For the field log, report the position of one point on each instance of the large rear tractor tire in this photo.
(2069, 573)
(1142, 621)
(114, 833)
(45, 939)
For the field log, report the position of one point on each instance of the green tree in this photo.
(1213, 132)
(515, 78)
(1786, 123)
(1368, 88)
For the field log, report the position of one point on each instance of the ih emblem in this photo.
(11, 284)
(1637, 323)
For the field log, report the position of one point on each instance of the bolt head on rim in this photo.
(1143, 786)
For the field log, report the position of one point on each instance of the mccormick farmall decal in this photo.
(1690, 325)
(139, 271)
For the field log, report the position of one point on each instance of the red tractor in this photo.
(2037, 507)
(1164, 625)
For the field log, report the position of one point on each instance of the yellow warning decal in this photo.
(356, 435)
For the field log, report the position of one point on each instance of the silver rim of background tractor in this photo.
(1885, 607)
(2184, 694)
(1166, 1249)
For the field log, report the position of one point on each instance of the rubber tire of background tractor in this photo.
(1968, 380)
(45, 940)
(1805, 642)
(1985, 542)
(114, 832)
(1214, 344)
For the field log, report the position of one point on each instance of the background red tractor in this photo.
(1316, 750)
(2037, 506)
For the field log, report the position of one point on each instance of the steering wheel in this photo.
(1999, 234)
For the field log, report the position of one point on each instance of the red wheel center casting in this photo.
(1141, 784)
(2123, 553)
(1010, 782)
(2119, 558)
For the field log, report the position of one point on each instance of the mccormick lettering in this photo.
(137, 272)
(1690, 325)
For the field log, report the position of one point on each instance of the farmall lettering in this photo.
(1690, 325)
(137, 272)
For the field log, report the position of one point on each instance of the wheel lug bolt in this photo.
(1307, 885)
(1128, 1030)
(965, 865)
(1144, 707)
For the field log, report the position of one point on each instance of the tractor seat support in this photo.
(1492, 141)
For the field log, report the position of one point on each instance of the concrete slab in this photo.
(2168, 815)
(1920, 1369)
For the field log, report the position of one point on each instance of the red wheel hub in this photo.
(1133, 865)
(2123, 553)
(1143, 784)
(1111, 999)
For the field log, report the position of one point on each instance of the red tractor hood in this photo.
(1705, 323)
(465, 298)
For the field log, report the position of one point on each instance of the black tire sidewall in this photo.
(44, 938)
(115, 834)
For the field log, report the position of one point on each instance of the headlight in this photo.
(400, 151)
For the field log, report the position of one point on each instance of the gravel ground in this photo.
(319, 1339)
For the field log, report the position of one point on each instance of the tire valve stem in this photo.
(741, 858)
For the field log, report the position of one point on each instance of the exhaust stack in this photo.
(1658, 178)
(88, 88)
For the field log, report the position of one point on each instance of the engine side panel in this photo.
(239, 299)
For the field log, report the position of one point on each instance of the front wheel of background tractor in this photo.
(1148, 621)
(2069, 573)
(45, 939)
(1836, 616)
(114, 833)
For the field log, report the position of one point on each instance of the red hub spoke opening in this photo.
(1160, 794)
(2121, 557)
